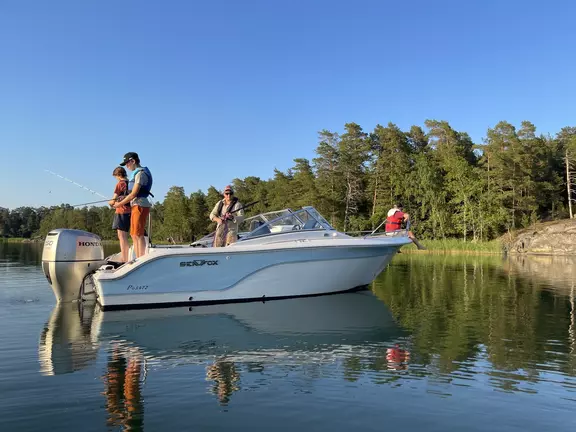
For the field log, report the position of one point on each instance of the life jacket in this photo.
(144, 190)
(394, 222)
(230, 206)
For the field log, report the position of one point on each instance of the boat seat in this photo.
(310, 224)
(255, 224)
(263, 230)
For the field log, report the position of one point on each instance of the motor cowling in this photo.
(68, 256)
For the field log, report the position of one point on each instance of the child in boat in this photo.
(122, 216)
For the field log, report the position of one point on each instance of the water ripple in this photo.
(439, 343)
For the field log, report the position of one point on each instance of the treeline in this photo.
(452, 187)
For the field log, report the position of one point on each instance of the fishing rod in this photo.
(93, 202)
(75, 183)
(244, 207)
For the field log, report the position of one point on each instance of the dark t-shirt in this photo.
(121, 190)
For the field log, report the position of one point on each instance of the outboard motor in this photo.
(68, 256)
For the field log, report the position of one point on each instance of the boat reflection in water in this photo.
(67, 343)
(229, 339)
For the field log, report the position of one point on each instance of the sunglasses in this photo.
(228, 193)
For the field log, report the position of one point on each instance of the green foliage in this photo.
(390, 165)
(451, 187)
(177, 220)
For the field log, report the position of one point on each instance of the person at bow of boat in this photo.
(139, 187)
(396, 218)
(228, 214)
(122, 214)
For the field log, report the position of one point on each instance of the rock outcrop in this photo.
(549, 238)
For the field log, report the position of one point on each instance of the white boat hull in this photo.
(244, 273)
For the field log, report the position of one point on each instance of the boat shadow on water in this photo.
(228, 339)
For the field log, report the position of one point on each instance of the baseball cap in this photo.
(128, 156)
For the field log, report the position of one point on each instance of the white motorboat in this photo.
(281, 254)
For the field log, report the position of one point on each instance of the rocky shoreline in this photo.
(548, 238)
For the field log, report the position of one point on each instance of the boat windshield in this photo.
(319, 217)
(305, 219)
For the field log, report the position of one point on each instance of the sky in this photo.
(210, 91)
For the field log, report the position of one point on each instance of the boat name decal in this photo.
(136, 287)
(85, 243)
(198, 263)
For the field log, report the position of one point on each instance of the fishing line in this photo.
(77, 184)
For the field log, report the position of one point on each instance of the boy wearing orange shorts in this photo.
(139, 186)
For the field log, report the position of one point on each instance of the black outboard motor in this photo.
(68, 256)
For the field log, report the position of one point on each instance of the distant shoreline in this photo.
(450, 246)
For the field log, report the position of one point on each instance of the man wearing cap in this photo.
(139, 186)
(228, 214)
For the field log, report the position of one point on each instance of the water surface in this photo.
(439, 343)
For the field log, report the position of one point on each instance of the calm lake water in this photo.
(441, 343)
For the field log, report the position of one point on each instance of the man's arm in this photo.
(213, 216)
(129, 198)
(238, 215)
(113, 200)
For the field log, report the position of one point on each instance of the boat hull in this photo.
(225, 275)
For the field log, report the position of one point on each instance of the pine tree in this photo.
(177, 215)
(389, 168)
(328, 180)
(353, 153)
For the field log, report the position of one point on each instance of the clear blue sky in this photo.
(213, 90)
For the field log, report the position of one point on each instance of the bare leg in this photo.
(415, 241)
(141, 246)
(123, 237)
(135, 244)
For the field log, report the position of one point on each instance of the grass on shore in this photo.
(13, 239)
(456, 246)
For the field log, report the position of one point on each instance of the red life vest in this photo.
(394, 222)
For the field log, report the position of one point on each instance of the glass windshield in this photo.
(319, 217)
(288, 221)
(251, 223)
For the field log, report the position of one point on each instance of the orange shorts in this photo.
(138, 220)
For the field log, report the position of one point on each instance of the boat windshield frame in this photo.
(305, 219)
